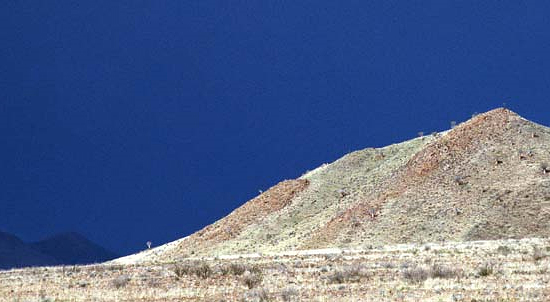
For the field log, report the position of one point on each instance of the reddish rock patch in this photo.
(460, 140)
(274, 199)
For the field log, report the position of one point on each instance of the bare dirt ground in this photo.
(500, 270)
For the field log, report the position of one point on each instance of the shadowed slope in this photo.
(73, 248)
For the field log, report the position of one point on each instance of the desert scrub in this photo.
(538, 254)
(121, 281)
(224, 270)
(256, 295)
(252, 279)
(504, 250)
(203, 270)
(290, 294)
(181, 270)
(237, 269)
(351, 273)
(415, 274)
(443, 272)
(200, 269)
(486, 269)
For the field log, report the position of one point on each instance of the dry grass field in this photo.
(500, 270)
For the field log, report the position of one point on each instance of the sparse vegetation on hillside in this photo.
(419, 274)
(290, 294)
(415, 274)
(414, 191)
(252, 279)
(486, 269)
(237, 269)
(121, 281)
(538, 253)
(200, 269)
(351, 273)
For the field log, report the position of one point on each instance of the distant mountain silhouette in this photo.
(67, 248)
(73, 248)
(16, 253)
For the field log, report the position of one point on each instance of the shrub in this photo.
(538, 254)
(115, 267)
(504, 250)
(256, 269)
(352, 273)
(415, 275)
(181, 269)
(154, 283)
(442, 272)
(252, 279)
(486, 270)
(225, 270)
(237, 269)
(203, 270)
(257, 295)
(289, 294)
(199, 269)
(337, 277)
(121, 281)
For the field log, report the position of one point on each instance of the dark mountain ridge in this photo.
(62, 249)
(73, 248)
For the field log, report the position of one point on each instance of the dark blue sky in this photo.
(131, 121)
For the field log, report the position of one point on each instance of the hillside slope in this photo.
(484, 179)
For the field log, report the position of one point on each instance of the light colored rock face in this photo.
(481, 180)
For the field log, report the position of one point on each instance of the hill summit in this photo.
(486, 178)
